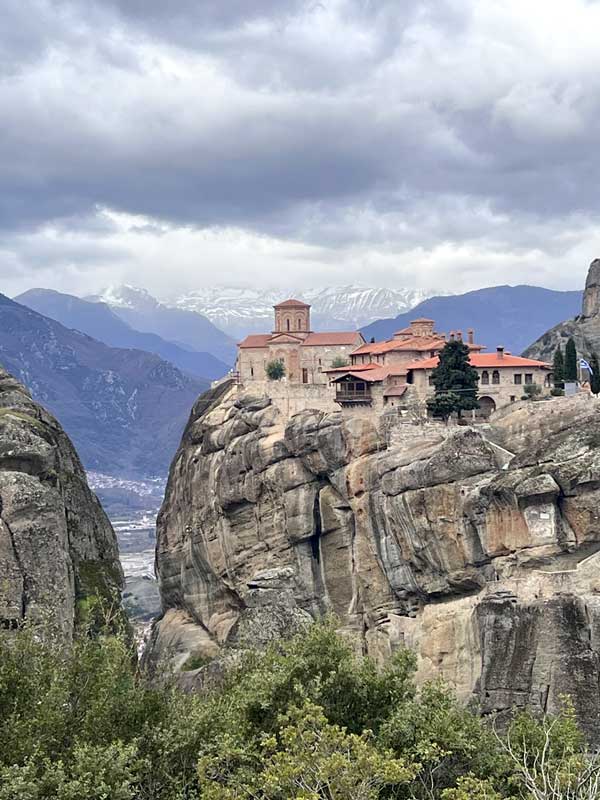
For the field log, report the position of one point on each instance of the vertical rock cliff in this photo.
(584, 329)
(57, 546)
(479, 548)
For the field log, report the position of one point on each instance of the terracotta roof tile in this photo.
(354, 367)
(395, 391)
(372, 373)
(415, 344)
(483, 360)
(291, 303)
(255, 340)
(332, 338)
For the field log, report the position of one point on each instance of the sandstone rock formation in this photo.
(479, 548)
(584, 329)
(56, 544)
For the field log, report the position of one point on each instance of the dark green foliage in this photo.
(306, 719)
(531, 391)
(571, 361)
(558, 368)
(339, 361)
(595, 376)
(455, 382)
(275, 370)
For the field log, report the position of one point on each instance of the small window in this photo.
(518, 379)
(485, 377)
(319, 362)
(299, 324)
(495, 377)
(288, 324)
(251, 372)
(430, 381)
(512, 398)
(304, 375)
(528, 377)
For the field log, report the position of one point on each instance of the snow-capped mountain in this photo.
(239, 311)
(143, 312)
(125, 296)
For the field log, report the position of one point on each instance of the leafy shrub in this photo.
(557, 392)
(275, 370)
(531, 391)
(305, 719)
(339, 361)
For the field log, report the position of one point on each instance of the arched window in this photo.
(299, 324)
(495, 376)
(485, 377)
(287, 322)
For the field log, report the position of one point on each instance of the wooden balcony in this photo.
(357, 398)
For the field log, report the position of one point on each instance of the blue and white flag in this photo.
(584, 365)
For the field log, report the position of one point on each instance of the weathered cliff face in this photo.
(484, 561)
(584, 329)
(56, 544)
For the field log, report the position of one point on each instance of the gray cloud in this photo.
(342, 125)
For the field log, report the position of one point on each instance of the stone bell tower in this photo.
(292, 316)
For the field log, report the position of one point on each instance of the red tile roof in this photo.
(354, 367)
(291, 303)
(415, 343)
(483, 360)
(395, 391)
(372, 373)
(255, 340)
(332, 338)
(422, 319)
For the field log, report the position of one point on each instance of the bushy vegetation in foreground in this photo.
(304, 721)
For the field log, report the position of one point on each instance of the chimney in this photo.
(500, 352)
(459, 335)
(471, 336)
(451, 336)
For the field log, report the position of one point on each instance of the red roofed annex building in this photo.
(502, 377)
(385, 374)
(306, 355)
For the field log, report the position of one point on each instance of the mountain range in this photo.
(512, 316)
(181, 326)
(240, 311)
(124, 409)
(98, 320)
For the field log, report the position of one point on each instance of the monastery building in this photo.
(375, 375)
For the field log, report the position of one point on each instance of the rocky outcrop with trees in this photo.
(584, 330)
(57, 547)
(477, 548)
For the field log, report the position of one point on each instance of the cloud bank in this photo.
(445, 143)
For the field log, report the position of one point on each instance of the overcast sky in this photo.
(423, 143)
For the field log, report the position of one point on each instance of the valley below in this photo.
(132, 507)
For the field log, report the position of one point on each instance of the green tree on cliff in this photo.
(595, 376)
(570, 361)
(455, 382)
(558, 368)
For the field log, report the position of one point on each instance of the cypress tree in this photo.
(558, 369)
(595, 376)
(455, 382)
(570, 361)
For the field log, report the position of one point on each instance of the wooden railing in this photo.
(353, 397)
